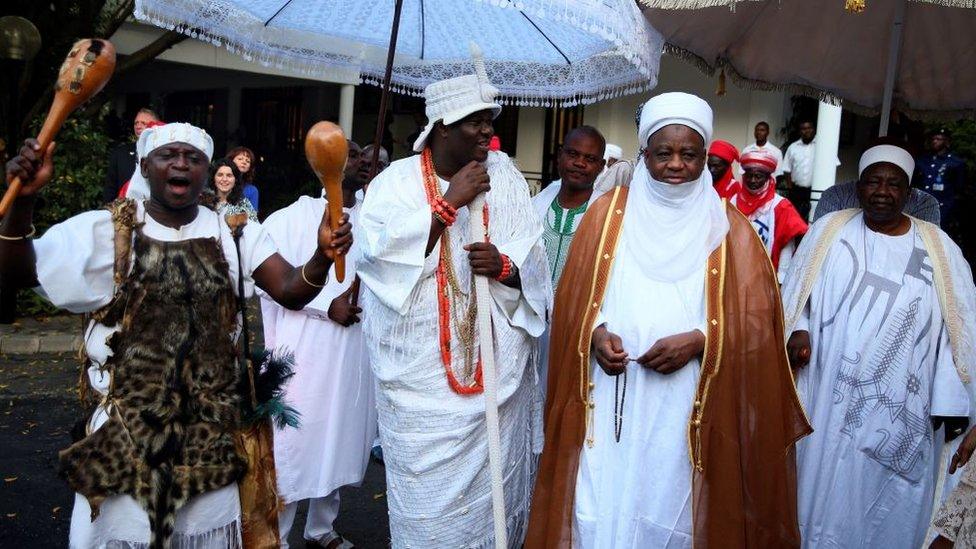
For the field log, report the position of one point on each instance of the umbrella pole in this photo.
(385, 96)
(381, 118)
(894, 52)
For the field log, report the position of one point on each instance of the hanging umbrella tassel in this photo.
(721, 84)
(855, 6)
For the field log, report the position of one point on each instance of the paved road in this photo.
(38, 407)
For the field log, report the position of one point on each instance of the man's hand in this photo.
(334, 243)
(467, 183)
(965, 451)
(485, 259)
(670, 354)
(342, 311)
(33, 167)
(955, 426)
(609, 351)
(798, 349)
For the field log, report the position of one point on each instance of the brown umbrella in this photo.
(874, 55)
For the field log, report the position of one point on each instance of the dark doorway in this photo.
(273, 126)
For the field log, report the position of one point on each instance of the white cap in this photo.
(892, 154)
(613, 151)
(175, 132)
(451, 100)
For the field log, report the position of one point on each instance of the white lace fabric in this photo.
(537, 52)
(956, 519)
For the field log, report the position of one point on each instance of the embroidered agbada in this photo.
(332, 387)
(741, 471)
(558, 225)
(726, 187)
(885, 359)
(775, 219)
(434, 441)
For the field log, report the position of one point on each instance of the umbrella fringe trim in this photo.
(809, 91)
(347, 69)
(731, 4)
(528, 100)
(688, 4)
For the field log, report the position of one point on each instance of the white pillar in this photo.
(825, 152)
(347, 99)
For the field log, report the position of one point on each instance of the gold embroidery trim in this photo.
(714, 341)
(597, 287)
(944, 290)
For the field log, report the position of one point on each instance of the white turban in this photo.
(613, 151)
(887, 153)
(675, 108)
(177, 132)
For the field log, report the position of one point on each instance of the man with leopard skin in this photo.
(159, 466)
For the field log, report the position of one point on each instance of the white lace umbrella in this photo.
(915, 55)
(537, 52)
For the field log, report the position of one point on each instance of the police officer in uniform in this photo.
(942, 174)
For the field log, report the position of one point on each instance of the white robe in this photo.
(74, 267)
(636, 493)
(332, 387)
(880, 368)
(434, 440)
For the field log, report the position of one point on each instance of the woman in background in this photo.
(245, 161)
(226, 182)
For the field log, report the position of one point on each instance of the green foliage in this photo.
(963, 140)
(80, 162)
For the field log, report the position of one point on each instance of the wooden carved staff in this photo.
(327, 150)
(85, 71)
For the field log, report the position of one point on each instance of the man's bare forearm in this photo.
(18, 264)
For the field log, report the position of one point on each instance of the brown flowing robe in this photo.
(746, 416)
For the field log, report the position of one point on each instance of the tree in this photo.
(61, 23)
(26, 91)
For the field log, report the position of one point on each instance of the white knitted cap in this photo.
(451, 100)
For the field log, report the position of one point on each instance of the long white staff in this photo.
(490, 379)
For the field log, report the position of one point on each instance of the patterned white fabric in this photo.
(954, 287)
(538, 52)
(175, 132)
(880, 368)
(956, 519)
(448, 101)
(434, 440)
